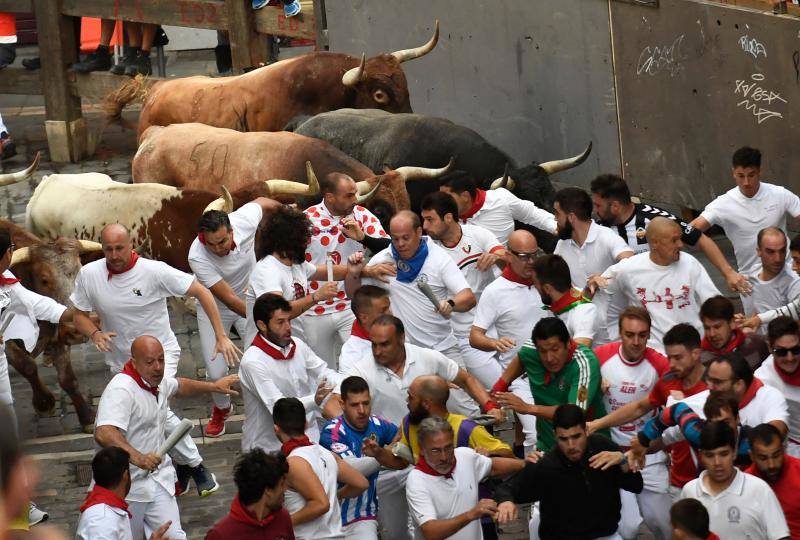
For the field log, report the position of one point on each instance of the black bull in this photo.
(378, 139)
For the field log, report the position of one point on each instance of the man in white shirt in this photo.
(749, 207)
(368, 303)
(442, 490)
(132, 415)
(774, 284)
(477, 253)
(739, 505)
(780, 371)
(104, 513)
(495, 210)
(329, 324)
(671, 285)
(221, 258)
(278, 365)
(129, 295)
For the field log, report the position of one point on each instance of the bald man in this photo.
(774, 285)
(132, 415)
(129, 294)
(420, 260)
(670, 284)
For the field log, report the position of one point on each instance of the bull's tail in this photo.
(133, 90)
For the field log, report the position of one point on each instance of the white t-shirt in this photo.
(389, 391)
(264, 380)
(424, 326)
(325, 467)
(353, 350)
(599, 251)
(272, 276)
(327, 237)
(501, 208)
(131, 304)
(748, 508)
(27, 308)
(582, 321)
(671, 294)
(142, 418)
(766, 372)
(772, 294)
(436, 497)
(742, 218)
(104, 522)
(474, 242)
(512, 310)
(235, 267)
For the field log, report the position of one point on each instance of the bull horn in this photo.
(287, 187)
(424, 173)
(505, 182)
(19, 176)
(410, 54)
(355, 75)
(87, 246)
(552, 167)
(367, 196)
(21, 255)
(223, 204)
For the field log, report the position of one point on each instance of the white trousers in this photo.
(366, 529)
(146, 517)
(393, 513)
(460, 402)
(216, 367)
(326, 333)
(654, 500)
(2, 125)
(521, 388)
(481, 364)
(5, 386)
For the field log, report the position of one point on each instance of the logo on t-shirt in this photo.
(299, 291)
(335, 256)
(403, 266)
(668, 298)
(640, 233)
(338, 447)
(467, 248)
(733, 514)
(137, 292)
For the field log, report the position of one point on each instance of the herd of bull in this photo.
(268, 132)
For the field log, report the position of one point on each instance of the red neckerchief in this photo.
(359, 331)
(101, 495)
(751, 393)
(572, 348)
(423, 466)
(570, 299)
(202, 238)
(239, 513)
(712, 536)
(296, 442)
(510, 275)
(788, 378)
(736, 340)
(7, 280)
(131, 372)
(262, 344)
(477, 204)
(134, 258)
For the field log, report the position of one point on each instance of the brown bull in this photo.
(49, 268)
(204, 157)
(265, 99)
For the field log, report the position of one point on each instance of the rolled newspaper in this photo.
(183, 428)
(329, 266)
(427, 291)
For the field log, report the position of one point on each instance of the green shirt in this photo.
(578, 382)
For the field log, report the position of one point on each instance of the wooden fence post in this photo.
(248, 47)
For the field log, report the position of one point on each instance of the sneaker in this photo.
(8, 52)
(32, 64)
(216, 426)
(205, 481)
(292, 8)
(258, 4)
(128, 59)
(99, 60)
(184, 473)
(140, 65)
(7, 147)
(36, 515)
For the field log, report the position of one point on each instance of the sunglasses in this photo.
(783, 351)
(527, 257)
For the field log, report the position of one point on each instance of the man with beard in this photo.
(739, 505)
(615, 208)
(671, 285)
(477, 253)
(721, 335)
(774, 285)
(257, 510)
(780, 470)
(329, 323)
(104, 513)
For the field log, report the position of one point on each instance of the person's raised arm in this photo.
(625, 414)
(191, 387)
(224, 293)
(503, 466)
(475, 389)
(736, 281)
(83, 323)
(701, 224)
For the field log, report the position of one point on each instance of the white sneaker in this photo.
(36, 515)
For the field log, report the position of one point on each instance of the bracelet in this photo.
(93, 333)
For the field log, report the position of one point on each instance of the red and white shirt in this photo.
(628, 381)
(327, 236)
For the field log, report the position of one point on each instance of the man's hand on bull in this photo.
(230, 352)
(352, 229)
(102, 340)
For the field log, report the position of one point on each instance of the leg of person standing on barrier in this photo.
(216, 367)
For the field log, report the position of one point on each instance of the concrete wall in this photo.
(533, 77)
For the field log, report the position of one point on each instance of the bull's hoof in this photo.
(44, 404)
(87, 428)
(86, 416)
(47, 360)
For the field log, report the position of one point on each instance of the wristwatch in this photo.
(451, 302)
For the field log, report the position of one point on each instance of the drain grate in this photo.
(83, 473)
